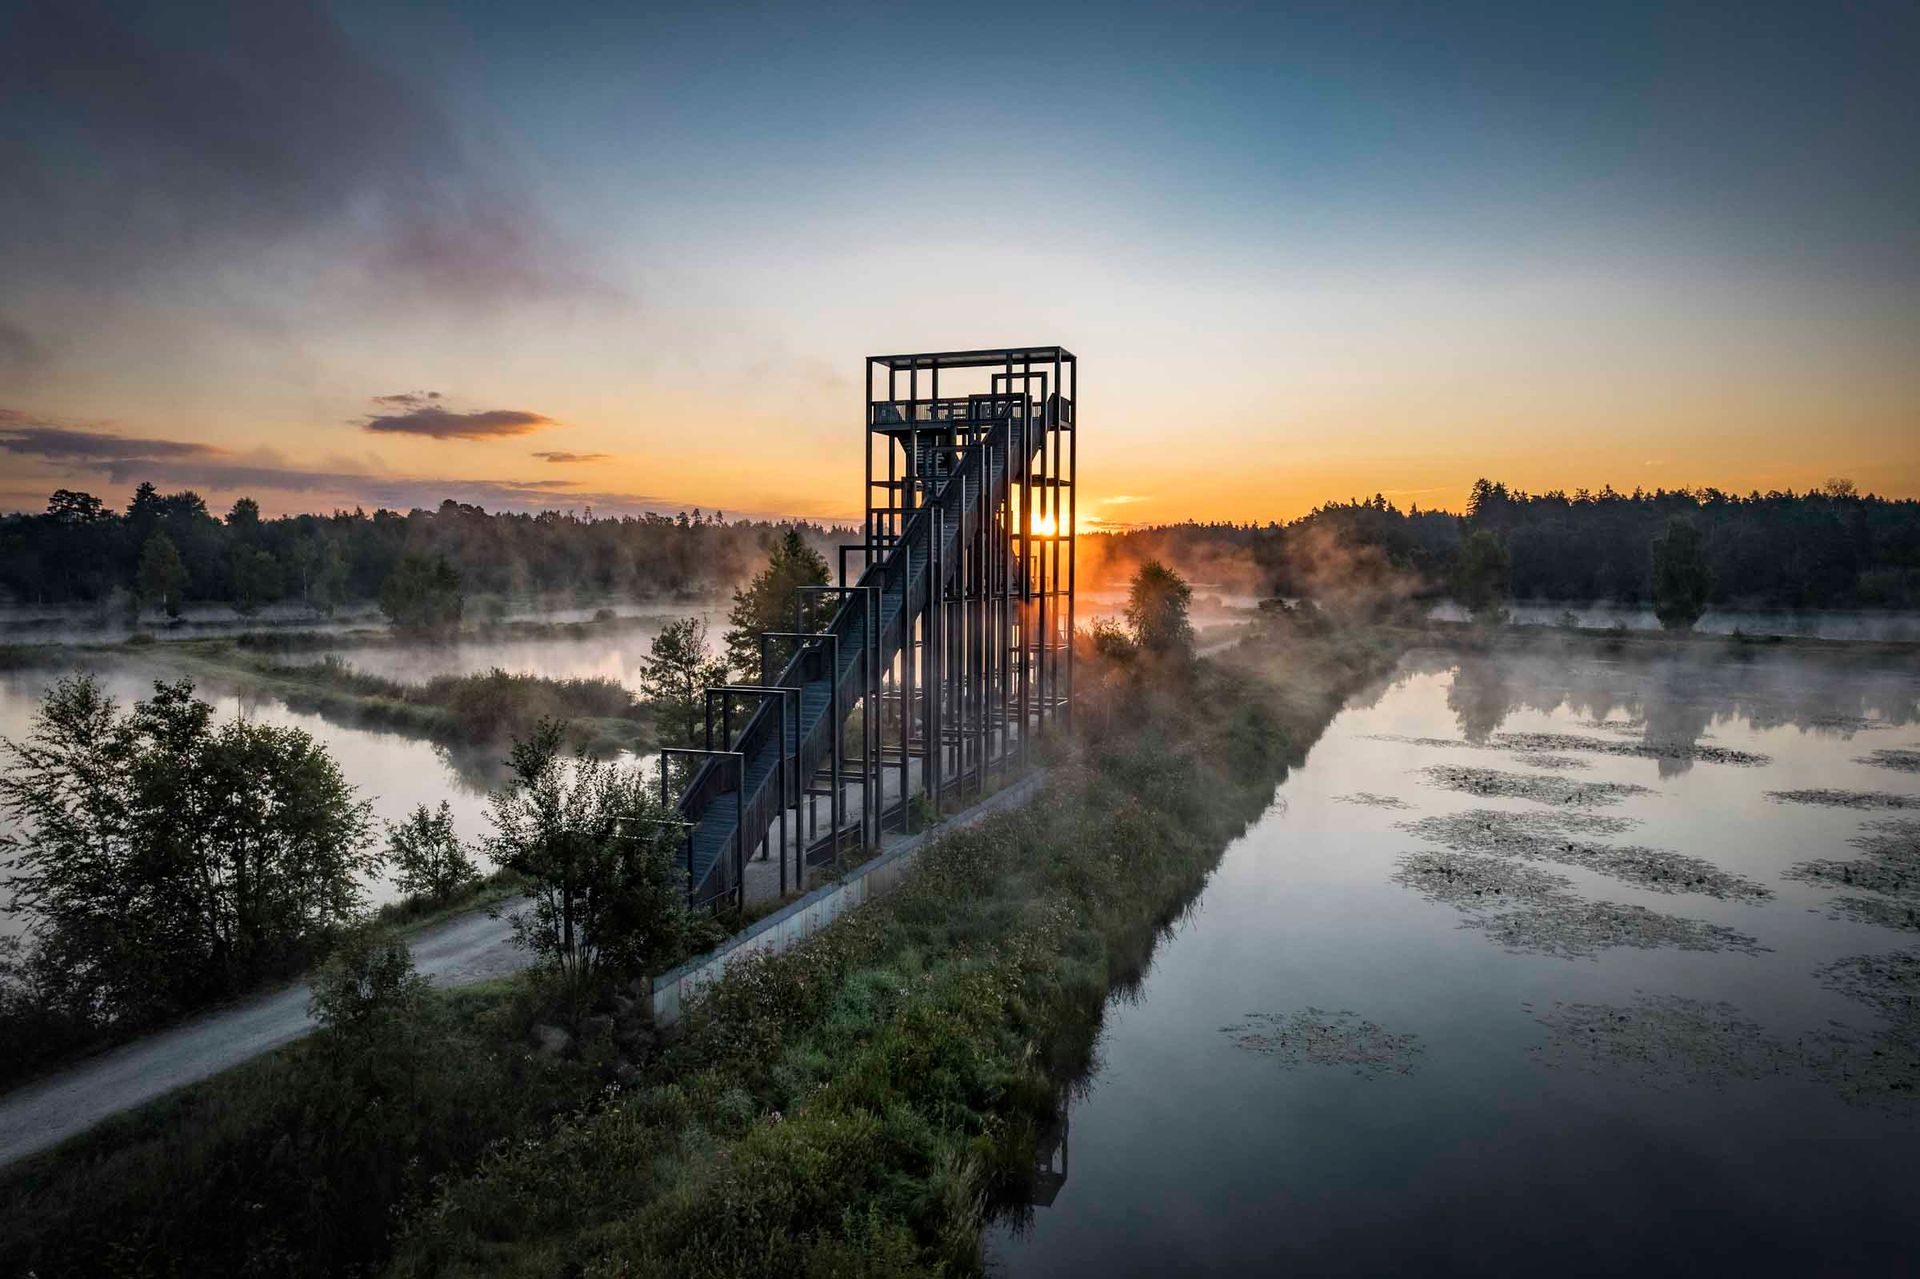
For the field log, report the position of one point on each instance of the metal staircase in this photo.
(954, 639)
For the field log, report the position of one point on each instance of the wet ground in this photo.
(1539, 964)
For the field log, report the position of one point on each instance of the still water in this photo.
(1472, 999)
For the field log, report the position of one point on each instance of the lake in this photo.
(1526, 970)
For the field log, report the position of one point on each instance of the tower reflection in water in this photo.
(1049, 1165)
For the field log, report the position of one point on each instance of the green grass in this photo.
(467, 712)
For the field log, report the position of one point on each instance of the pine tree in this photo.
(675, 678)
(767, 602)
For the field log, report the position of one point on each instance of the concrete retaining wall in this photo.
(799, 920)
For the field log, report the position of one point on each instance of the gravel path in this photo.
(461, 951)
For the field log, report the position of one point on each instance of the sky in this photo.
(631, 257)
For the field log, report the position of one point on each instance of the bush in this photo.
(499, 705)
(428, 859)
(1157, 603)
(366, 986)
(164, 860)
(300, 1162)
(597, 850)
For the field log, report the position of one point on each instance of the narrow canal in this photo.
(1539, 963)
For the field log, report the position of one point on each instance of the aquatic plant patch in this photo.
(1552, 763)
(1692, 752)
(1317, 1037)
(1671, 1041)
(1367, 799)
(1615, 725)
(1555, 837)
(1523, 908)
(1837, 722)
(1574, 927)
(1899, 760)
(1891, 865)
(1878, 911)
(1864, 800)
(1663, 1040)
(1537, 788)
(1888, 984)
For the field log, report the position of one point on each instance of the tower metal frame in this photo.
(953, 639)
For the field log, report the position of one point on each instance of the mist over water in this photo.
(1533, 949)
(352, 623)
(1833, 624)
(618, 655)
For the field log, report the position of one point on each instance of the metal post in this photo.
(1067, 422)
(930, 765)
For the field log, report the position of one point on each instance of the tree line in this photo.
(1830, 547)
(166, 550)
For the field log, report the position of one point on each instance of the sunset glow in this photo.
(1302, 260)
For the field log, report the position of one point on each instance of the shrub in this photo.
(1157, 603)
(428, 859)
(366, 985)
(598, 852)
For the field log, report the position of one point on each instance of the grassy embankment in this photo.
(476, 711)
(855, 1106)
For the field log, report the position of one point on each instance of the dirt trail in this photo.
(459, 952)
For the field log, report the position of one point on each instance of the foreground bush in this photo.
(596, 851)
(165, 860)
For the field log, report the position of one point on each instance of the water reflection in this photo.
(1672, 704)
(1049, 1166)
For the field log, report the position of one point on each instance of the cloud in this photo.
(189, 141)
(407, 399)
(21, 434)
(445, 424)
(559, 456)
(124, 459)
(397, 491)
